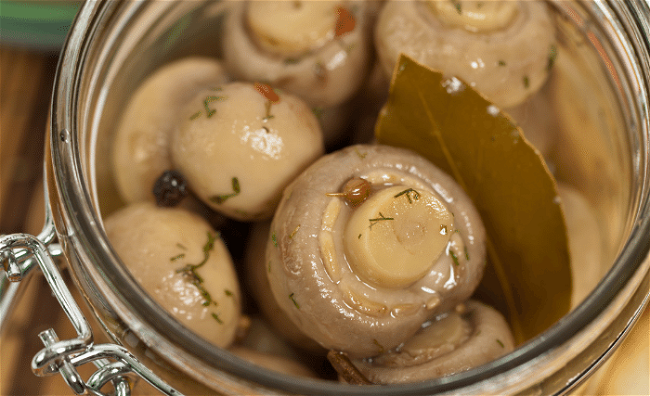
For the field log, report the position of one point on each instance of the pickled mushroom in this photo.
(486, 43)
(363, 278)
(141, 146)
(182, 263)
(240, 144)
(451, 343)
(321, 51)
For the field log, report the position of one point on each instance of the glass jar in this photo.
(112, 46)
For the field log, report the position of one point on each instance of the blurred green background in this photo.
(36, 24)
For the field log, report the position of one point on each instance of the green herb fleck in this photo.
(466, 253)
(178, 257)
(502, 63)
(318, 112)
(267, 107)
(408, 192)
(454, 257)
(292, 297)
(500, 343)
(378, 219)
(181, 246)
(195, 115)
(359, 237)
(219, 199)
(552, 56)
(526, 82)
(292, 61)
(189, 271)
(228, 293)
(209, 99)
(458, 6)
(217, 318)
(274, 238)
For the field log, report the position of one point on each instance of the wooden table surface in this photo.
(26, 85)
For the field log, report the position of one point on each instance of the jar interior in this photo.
(589, 98)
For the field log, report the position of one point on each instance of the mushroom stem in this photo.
(397, 234)
(475, 16)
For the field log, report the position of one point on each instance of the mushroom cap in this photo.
(156, 243)
(505, 65)
(451, 343)
(238, 148)
(140, 152)
(258, 285)
(317, 288)
(324, 77)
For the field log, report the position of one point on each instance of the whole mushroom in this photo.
(453, 342)
(240, 144)
(368, 243)
(182, 263)
(140, 153)
(504, 49)
(320, 51)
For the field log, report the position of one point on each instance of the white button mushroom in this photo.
(452, 343)
(368, 243)
(140, 152)
(320, 51)
(182, 263)
(502, 48)
(240, 144)
(257, 283)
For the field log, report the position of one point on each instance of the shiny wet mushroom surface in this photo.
(360, 275)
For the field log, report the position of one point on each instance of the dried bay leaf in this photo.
(528, 276)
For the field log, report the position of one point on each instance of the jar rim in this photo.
(88, 233)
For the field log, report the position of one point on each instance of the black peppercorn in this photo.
(170, 188)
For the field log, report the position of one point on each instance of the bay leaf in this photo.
(528, 275)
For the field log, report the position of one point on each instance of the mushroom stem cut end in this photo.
(396, 235)
(475, 16)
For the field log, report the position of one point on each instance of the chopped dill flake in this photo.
(292, 61)
(500, 343)
(318, 112)
(454, 257)
(293, 233)
(236, 189)
(177, 257)
(269, 266)
(458, 6)
(274, 238)
(502, 63)
(378, 219)
(195, 115)
(217, 318)
(189, 271)
(526, 82)
(228, 293)
(359, 237)
(466, 253)
(408, 192)
(181, 246)
(292, 297)
(552, 56)
(209, 99)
